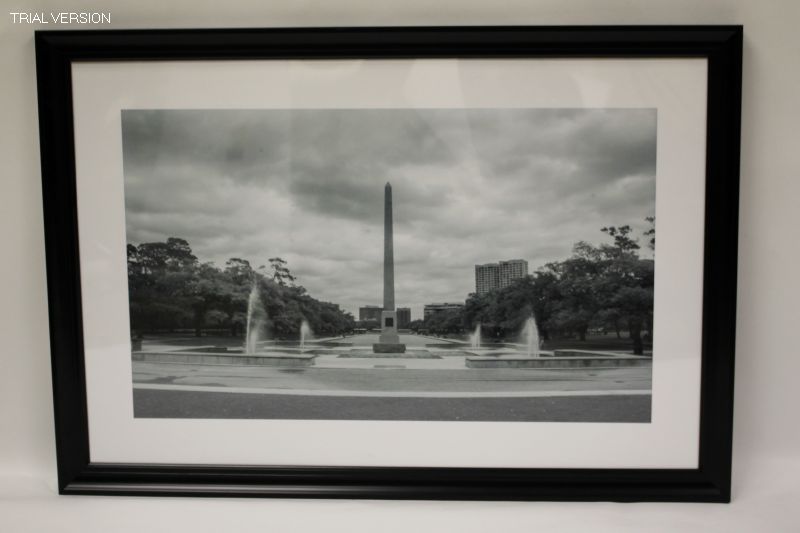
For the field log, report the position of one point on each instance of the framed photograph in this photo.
(414, 263)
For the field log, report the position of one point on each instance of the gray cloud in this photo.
(470, 186)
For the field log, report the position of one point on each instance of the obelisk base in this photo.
(389, 340)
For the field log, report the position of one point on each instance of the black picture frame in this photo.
(710, 482)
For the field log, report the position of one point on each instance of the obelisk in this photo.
(389, 340)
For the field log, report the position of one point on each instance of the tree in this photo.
(622, 241)
(159, 275)
(625, 289)
(545, 301)
(280, 272)
(477, 311)
(607, 285)
(239, 270)
(170, 289)
(447, 321)
(416, 325)
(511, 307)
(577, 287)
(172, 255)
(210, 290)
(368, 324)
(651, 233)
(634, 299)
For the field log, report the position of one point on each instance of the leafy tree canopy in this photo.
(170, 289)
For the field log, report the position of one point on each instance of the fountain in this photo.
(256, 317)
(305, 333)
(475, 338)
(531, 334)
(253, 353)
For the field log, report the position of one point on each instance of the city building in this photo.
(493, 276)
(373, 312)
(403, 317)
(431, 309)
(370, 312)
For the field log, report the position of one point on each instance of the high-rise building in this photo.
(493, 276)
(486, 278)
(431, 309)
(512, 270)
(403, 317)
(370, 312)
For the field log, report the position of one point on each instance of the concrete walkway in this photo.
(343, 371)
(392, 378)
(392, 394)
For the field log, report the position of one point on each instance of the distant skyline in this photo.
(470, 186)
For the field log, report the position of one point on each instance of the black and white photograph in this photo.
(392, 263)
(460, 264)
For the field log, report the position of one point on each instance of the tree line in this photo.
(607, 287)
(170, 289)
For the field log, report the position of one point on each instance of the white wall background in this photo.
(767, 433)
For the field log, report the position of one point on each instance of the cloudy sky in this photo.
(470, 186)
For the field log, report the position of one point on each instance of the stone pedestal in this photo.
(389, 348)
(389, 328)
(389, 340)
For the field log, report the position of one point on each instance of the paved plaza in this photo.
(391, 388)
